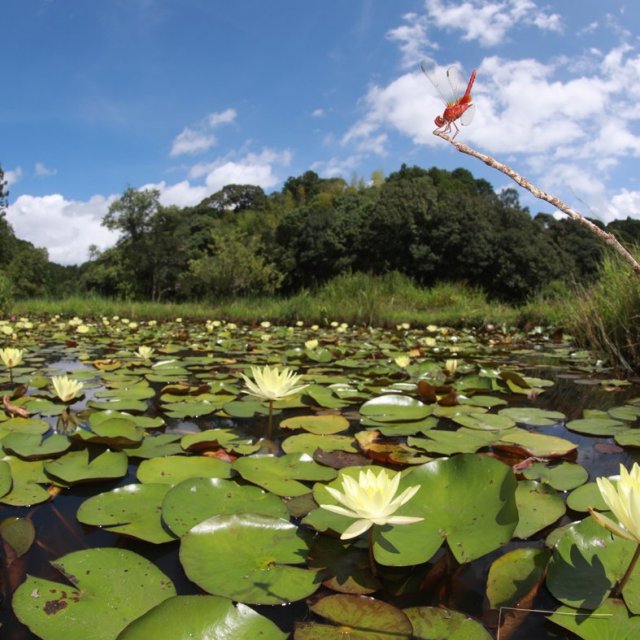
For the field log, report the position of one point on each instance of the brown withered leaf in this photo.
(13, 409)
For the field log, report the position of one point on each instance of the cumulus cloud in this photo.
(200, 138)
(412, 38)
(13, 176)
(489, 22)
(65, 227)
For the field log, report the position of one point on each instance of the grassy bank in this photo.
(357, 299)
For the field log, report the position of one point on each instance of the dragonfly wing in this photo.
(457, 82)
(440, 81)
(467, 117)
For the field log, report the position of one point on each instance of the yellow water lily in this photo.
(372, 500)
(66, 388)
(271, 383)
(144, 352)
(11, 357)
(623, 498)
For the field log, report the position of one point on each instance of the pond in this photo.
(165, 496)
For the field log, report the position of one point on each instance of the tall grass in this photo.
(606, 317)
(357, 298)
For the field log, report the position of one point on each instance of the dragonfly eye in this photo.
(439, 121)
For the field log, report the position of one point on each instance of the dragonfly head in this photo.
(440, 122)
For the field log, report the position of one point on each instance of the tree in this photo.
(4, 193)
(235, 197)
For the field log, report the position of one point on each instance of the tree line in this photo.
(431, 224)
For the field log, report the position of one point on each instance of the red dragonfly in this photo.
(459, 105)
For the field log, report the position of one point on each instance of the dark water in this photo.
(58, 531)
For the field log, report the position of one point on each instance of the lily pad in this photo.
(309, 443)
(533, 416)
(195, 500)
(539, 506)
(27, 476)
(175, 469)
(283, 475)
(79, 466)
(513, 575)
(611, 620)
(133, 510)
(201, 617)
(319, 425)
(355, 616)
(32, 446)
(438, 623)
(249, 558)
(92, 607)
(18, 533)
(395, 408)
(563, 477)
(597, 426)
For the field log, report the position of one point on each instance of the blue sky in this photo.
(190, 95)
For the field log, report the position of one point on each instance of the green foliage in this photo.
(6, 293)
(605, 315)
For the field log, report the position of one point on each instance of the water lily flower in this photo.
(11, 357)
(372, 500)
(272, 384)
(66, 388)
(311, 344)
(403, 361)
(623, 498)
(144, 352)
(451, 365)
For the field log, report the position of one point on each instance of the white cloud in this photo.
(337, 167)
(412, 38)
(624, 204)
(41, 170)
(13, 176)
(190, 141)
(318, 113)
(489, 22)
(65, 227)
(200, 138)
(223, 117)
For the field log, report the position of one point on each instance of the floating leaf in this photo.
(539, 506)
(18, 533)
(438, 623)
(611, 620)
(259, 556)
(195, 500)
(563, 477)
(175, 469)
(201, 617)
(282, 475)
(133, 510)
(356, 616)
(319, 425)
(395, 408)
(79, 466)
(111, 588)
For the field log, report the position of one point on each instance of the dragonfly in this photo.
(459, 105)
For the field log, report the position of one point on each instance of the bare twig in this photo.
(609, 238)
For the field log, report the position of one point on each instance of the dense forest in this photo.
(430, 224)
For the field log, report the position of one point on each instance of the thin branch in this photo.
(609, 238)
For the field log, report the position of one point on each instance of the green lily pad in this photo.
(248, 558)
(175, 469)
(26, 489)
(195, 500)
(611, 620)
(282, 475)
(585, 497)
(597, 426)
(355, 616)
(201, 617)
(586, 563)
(309, 443)
(18, 533)
(513, 575)
(449, 442)
(5, 478)
(395, 408)
(163, 444)
(437, 623)
(319, 425)
(26, 425)
(133, 510)
(539, 506)
(79, 466)
(485, 421)
(627, 412)
(111, 588)
(468, 500)
(628, 437)
(532, 416)
(32, 446)
(215, 438)
(563, 477)
(536, 444)
(113, 429)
